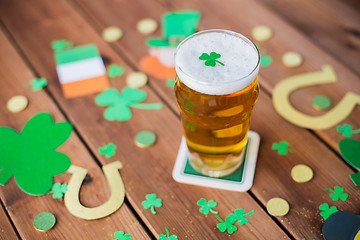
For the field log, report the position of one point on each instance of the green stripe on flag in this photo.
(76, 54)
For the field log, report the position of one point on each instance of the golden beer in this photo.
(216, 125)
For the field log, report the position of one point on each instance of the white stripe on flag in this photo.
(81, 70)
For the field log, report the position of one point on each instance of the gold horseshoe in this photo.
(115, 201)
(283, 106)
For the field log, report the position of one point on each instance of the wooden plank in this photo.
(6, 229)
(272, 177)
(23, 208)
(333, 25)
(145, 170)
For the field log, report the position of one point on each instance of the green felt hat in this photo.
(176, 26)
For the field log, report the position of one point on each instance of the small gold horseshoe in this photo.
(283, 106)
(115, 201)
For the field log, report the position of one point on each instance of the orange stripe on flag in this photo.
(85, 87)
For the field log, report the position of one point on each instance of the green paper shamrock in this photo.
(167, 237)
(151, 202)
(240, 216)
(38, 83)
(346, 130)
(265, 60)
(108, 150)
(206, 207)
(115, 70)
(350, 151)
(119, 103)
(60, 45)
(326, 210)
(120, 235)
(282, 147)
(58, 190)
(211, 59)
(337, 193)
(31, 156)
(227, 225)
(170, 83)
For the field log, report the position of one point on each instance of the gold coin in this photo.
(301, 173)
(261, 33)
(277, 207)
(146, 26)
(292, 59)
(136, 79)
(17, 103)
(112, 34)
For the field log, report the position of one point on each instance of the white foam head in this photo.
(239, 55)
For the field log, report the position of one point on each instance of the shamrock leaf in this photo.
(210, 60)
(265, 60)
(115, 70)
(228, 225)
(337, 193)
(60, 45)
(326, 210)
(31, 156)
(240, 216)
(120, 235)
(38, 83)
(152, 202)
(282, 147)
(58, 190)
(108, 150)
(206, 207)
(346, 130)
(167, 237)
(119, 103)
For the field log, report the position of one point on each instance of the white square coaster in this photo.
(241, 180)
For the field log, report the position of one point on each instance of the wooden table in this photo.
(324, 32)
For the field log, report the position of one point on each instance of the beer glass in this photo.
(216, 89)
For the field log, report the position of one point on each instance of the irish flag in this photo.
(81, 71)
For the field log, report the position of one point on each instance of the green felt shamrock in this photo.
(120, 235)
(265, 60)
(326, 210)
(38, 83)
(350, 151)
(115, 70)
(227, 225)
(282, 147)
(108, 150)
(346, 130)
(167, 237)
(337, 193)
(58, 190)
(119, 103)
(60, 45)
(240, 216)
(170, 83)
(211, 59)
(151, 202)
(31, 156)
(206, 207)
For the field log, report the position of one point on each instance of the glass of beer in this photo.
(216, 89)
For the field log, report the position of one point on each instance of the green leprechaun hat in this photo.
(176, 26)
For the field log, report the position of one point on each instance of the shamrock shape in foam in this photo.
(167, 237)
(151, 202)
(58, 190)
(108, 150)
(337, 193)
(227, 225)
(282, 147)
(119, 103)
(120, 235)
(31, 156)
(327, 211)
(210, 60)
(206, 207)
(240, 216)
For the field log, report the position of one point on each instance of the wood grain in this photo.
(22, 208)
(6, 229)
(332, 25)
(145, 170)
